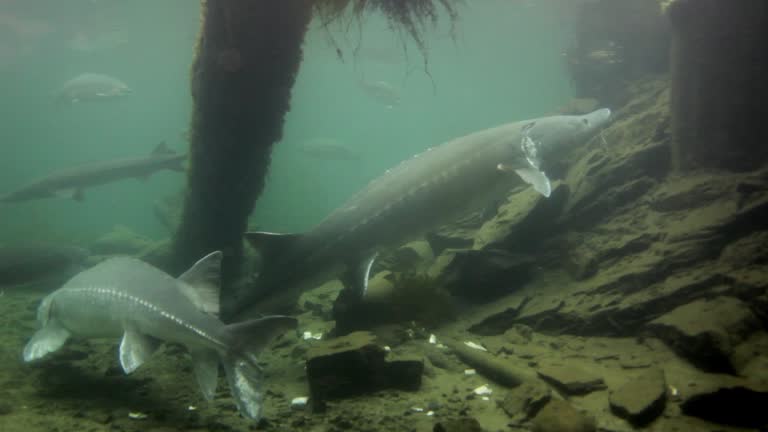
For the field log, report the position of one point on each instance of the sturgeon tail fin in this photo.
(249, 338)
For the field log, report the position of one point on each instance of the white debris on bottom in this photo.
(135, 415)
(470, 372)
(475, 346)
(299, 403)
(482, 390)
(307, 335)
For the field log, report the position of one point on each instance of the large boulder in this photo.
(484, 275)
(354, 364)
(571, 380)
(706, 332)
(642, 399)
(560, 416)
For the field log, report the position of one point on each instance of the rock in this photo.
(525, 401)
(629, 361)
(456, 238)
(750, 358)
(642, 399)
(581, 264)
(463, 424)
(560, 416)
(395, 298)
(522, 221)
(120, 241)
(599, 177)
(459, 234)
(706, 331)
(410, 257)
(503, 318)
(484, 275)
(503, 372)
(749, 250)
(353, 365)
(571, 380)
(587, 213)
(730, 404)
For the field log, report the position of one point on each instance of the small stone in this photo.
(463, 424)
(560, 416)
(634, 362)
(525, 401)
(571, 380)
(641, 400)
(5, 407)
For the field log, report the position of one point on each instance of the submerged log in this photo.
(719, 63)
(247, 57)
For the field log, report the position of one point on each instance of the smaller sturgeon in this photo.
(92, 87)
(437, 186)
(126, 297)
(79, 178)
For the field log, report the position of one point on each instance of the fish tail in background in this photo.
(176, 165)
(249, 338)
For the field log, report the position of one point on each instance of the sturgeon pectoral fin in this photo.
(135, 349)
(46, 340)
(205, 364)
(357, 275)
(537, 179)
(246, 385)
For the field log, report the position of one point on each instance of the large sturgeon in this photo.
(125, 297)
(76, 180)
(423, 192)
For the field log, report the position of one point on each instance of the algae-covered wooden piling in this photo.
(719, 63)
(247, 56)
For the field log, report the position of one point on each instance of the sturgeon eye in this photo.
(585, 121)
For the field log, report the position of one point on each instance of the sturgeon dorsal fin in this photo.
(200, 284)
(161, 149)
(271, 245)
